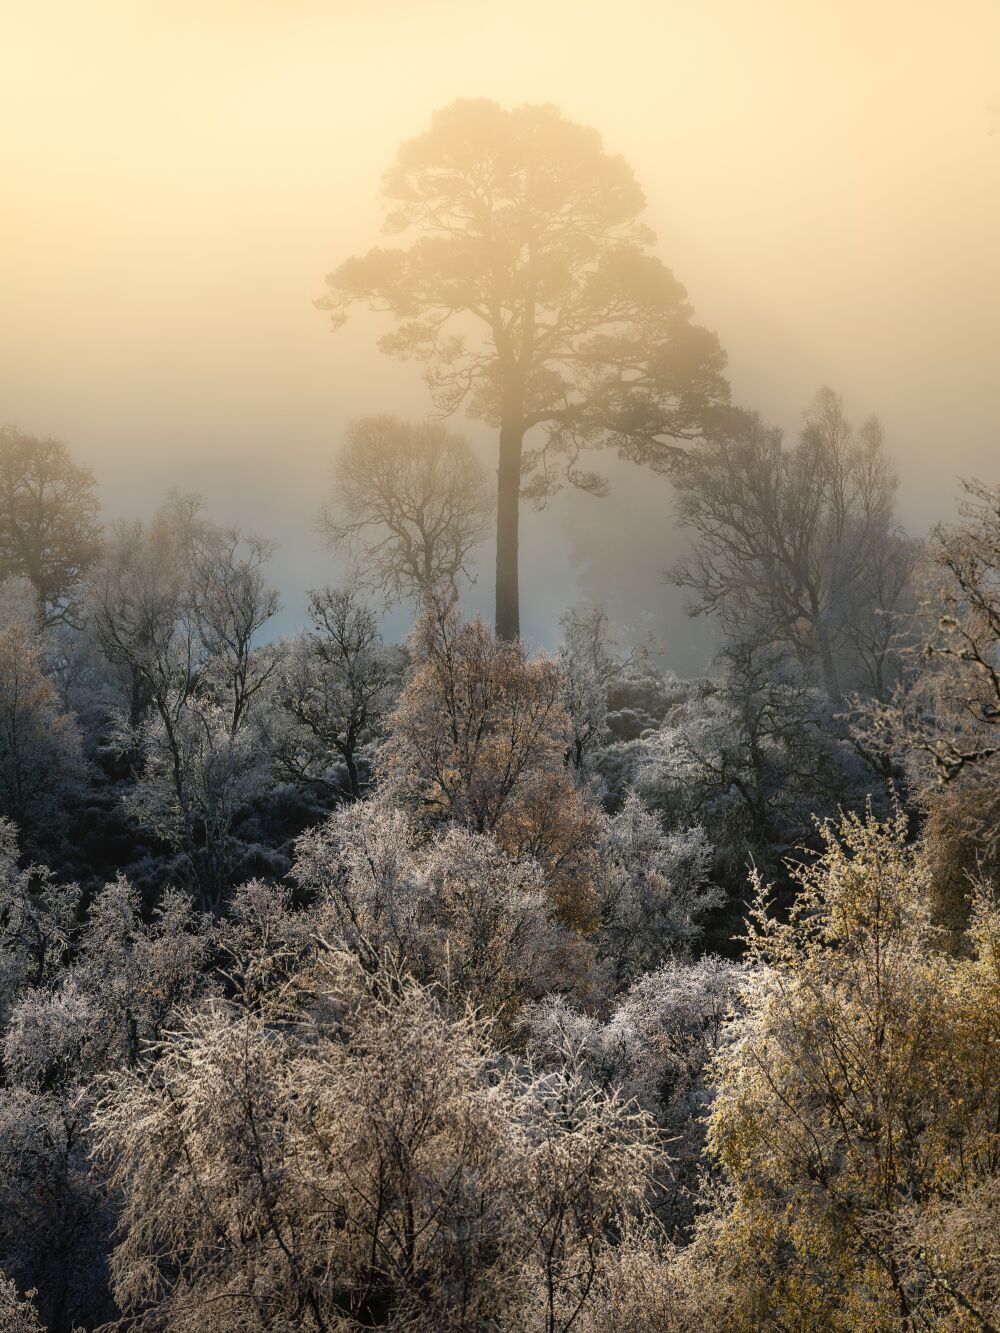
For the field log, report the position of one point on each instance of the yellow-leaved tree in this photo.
(857, 1121)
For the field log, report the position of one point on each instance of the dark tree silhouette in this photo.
(530, 291)
(800, 546)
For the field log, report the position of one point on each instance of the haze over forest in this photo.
(499, 667)
(824, 180)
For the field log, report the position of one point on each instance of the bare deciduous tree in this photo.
(49, 529)
(967, 636)
(36, 919)
(334, 687)
(180, 606)
(480, 737)
(410, 504)
(41, 761)
(477, 720)
(791, 544)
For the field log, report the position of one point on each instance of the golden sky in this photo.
(823, 175)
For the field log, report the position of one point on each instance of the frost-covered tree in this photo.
(477, 721)
(585, 696)
(18, 1313)
(596, 674)
(78, 1016)
(453, 910)
(197, 777)
(54, 1216)
(752, 755)
(139, 972)
(37, 916)
(643, 1284)
(653, 891)
(372, 1161)
(41, 760)
(967, 634)
(334, 687)
(55, 1222)
(611, 697)
(264, 941)
(657, 1045)
(857, 1104)
(125, 982)
(941, 727)
(479, 737)
(180, 605)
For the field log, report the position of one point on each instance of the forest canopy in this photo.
(432, 982)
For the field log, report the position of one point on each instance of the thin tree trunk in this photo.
(508, 620)
(828, 667)
(41, 605)
(353, 777)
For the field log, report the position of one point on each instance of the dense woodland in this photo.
(444, 985)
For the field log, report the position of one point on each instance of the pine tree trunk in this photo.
(508, 620)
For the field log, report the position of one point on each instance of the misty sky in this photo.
(178, 177)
